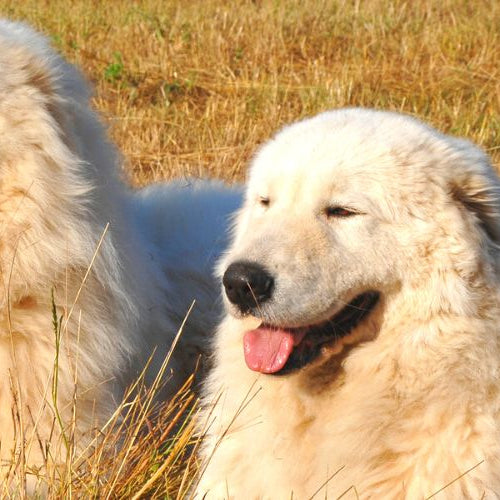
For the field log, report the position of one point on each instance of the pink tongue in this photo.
(268, 349)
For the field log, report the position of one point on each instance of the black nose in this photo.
(247, 284)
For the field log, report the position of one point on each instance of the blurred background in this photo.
(191, 87)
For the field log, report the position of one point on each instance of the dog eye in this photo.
(336, 211)
(264, 201)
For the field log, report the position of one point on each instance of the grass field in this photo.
(191, 87)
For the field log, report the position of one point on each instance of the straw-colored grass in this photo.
(191, 87)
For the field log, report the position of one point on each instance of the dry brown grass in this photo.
(191, 87)
(147, 448)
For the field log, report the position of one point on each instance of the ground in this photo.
(191, 87)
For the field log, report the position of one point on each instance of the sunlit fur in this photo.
(124, 266)
(410, 400)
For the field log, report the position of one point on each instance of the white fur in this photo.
(410, 400)
(60, 187)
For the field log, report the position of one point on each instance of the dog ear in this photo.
(476, 187)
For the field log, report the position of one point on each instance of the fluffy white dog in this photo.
(124, 266)
(361, 348)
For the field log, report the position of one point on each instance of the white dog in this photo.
(123, 266)
(361, 348)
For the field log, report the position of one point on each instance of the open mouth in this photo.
(281, 350)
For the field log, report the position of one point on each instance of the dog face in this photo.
(344, 212)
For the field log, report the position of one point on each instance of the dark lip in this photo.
(340, 325)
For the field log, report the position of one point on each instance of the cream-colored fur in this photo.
(117, 300)
(409, 402)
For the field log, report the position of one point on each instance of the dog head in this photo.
(346, 212)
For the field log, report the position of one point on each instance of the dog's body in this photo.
(397, 393)
(124, 266)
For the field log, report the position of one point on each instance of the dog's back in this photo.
(95, 276)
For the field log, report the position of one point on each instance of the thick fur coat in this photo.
(402, 400)
(123, 266)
